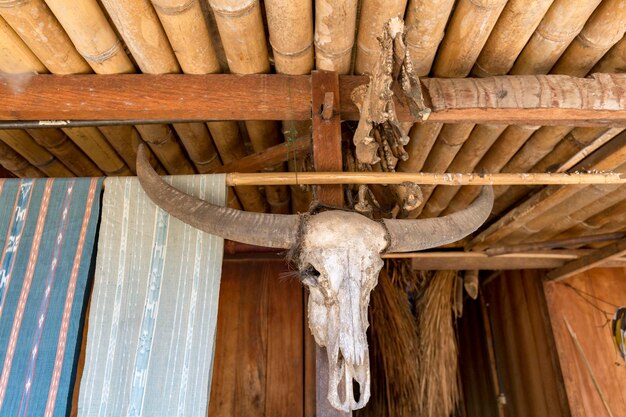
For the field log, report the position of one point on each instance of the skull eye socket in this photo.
(309, 273)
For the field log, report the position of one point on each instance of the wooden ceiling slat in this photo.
(605, 28)
(612, 156)
(585, 263)
(509, 142)
(427, 21)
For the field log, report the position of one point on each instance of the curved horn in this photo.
(413, 235)
(271, 230)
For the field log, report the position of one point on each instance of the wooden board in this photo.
(258, 368)
(591, 328)
(523, 346)
(536, 100)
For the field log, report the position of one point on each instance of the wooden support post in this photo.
(585, 263)
(327, 132)
(326, 157)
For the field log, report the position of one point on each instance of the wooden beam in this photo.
(594, 259)
(269, 157)
(436, 261)
(536, 100)
(326, 157)
(326, 134)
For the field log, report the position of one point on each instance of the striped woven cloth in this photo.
(47, 232)
(153, 310)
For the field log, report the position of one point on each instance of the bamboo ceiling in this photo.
(449, 38)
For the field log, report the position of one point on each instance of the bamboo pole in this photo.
(509, 142)
(533, 228)
(374, 15)
(557, 29)
(549, 146)
(61, 57)
(125, 139)
(466, 34)
(575, 141)
(15, 163)
(186, 29)
(423, 136)
(199, 145)
(39, 29)
(330, 178)
(93, 143)
(241, 29)
(335, 29)
(479, 142)
(426, 21)
(612, 157)
(290, 25)
(301, 197)
(614, 59)
(605, 28)
(447, 145)
(230, 149)
(52, 30)
(566, 148)
(139, 26)
(96, 42)
(514, 27)
(591, 147)
(38, 156)
(586, 216)
(15, 56)
(55, 141)
(189, 35)
(613, 216)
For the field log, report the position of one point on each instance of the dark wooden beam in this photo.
(541, 99)
(326, 122)
(327, 133)
(269, 157)
(597, 258)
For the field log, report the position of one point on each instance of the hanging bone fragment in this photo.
(379, 136)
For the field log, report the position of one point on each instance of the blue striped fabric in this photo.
(47, 233)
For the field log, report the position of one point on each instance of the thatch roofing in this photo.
(449, 39)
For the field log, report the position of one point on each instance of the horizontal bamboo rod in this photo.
(326, 178)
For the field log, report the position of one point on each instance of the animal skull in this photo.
(340, 278)
(339, 261)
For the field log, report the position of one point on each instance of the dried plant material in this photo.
(379, 136)
(394, 349)
(438, 389)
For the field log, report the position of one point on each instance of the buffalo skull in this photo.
(339, 257)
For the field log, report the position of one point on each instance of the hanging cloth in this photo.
(153, 310)
(47, 232)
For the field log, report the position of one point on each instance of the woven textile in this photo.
(154, 306)
(47, 232)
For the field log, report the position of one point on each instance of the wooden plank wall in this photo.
(259, 357)
(525, 356)
(479, 399)
(581, 308)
